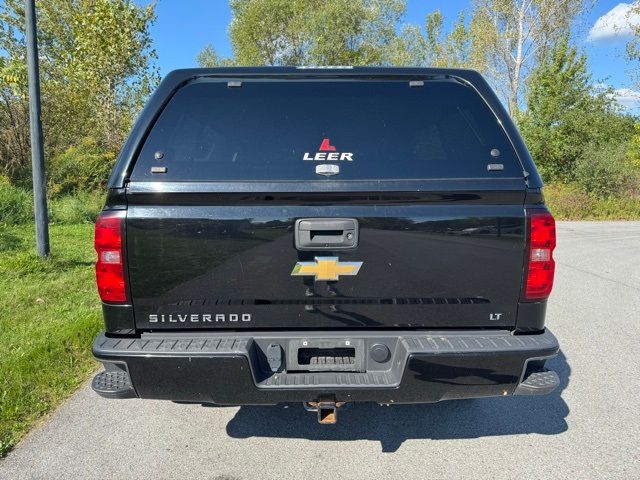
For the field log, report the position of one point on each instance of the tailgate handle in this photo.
(326, 233)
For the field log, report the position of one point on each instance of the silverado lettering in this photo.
(196, 317)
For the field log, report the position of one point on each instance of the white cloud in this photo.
(628, 98)
(617, 22)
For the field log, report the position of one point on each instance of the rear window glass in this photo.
(282, 130)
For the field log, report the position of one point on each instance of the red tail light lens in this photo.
(109, 267)
(540, 264)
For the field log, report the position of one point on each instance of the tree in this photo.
(323, 32)
(450, 50)
(633, 47)
(14, 128)
(432, 47)
(408, 48)
(566, 116)
(208, 58)
(512, 36)
(97, 68)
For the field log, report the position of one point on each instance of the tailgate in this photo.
(421, 264)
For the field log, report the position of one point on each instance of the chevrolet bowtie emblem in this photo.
(326, 268)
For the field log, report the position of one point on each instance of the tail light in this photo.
(540, 264)
(110, 266)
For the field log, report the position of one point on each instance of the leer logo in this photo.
(327, 152)
(326, 268)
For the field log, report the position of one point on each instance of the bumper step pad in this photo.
(539, 383)
(113, 384)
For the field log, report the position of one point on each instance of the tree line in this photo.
(98, 66)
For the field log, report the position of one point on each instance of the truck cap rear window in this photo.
(284, 129)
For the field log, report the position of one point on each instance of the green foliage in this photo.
(433, 47)
(502, 38)
(604, 171)
(450, 50)
(407, 48)
(14, 134)
(97, 68)
(633, 152)
(571, 202)
(567, 201)
(338, 32)
(42, 362)
(565, 118)
(80, 168)
(82, 207)
(16, 204)
(208, 58)
(299, 32)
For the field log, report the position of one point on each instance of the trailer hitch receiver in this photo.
(327, 410)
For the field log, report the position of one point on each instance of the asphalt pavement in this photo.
(589, 428)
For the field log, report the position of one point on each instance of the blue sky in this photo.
(184, 27)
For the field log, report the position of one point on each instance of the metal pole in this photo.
(37, 151)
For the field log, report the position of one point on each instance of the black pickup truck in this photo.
(324, 235)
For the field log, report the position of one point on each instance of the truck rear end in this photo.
(324, 236)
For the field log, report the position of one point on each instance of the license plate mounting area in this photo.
(326, 355)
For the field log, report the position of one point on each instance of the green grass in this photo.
(16, 206)
(49, 314)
